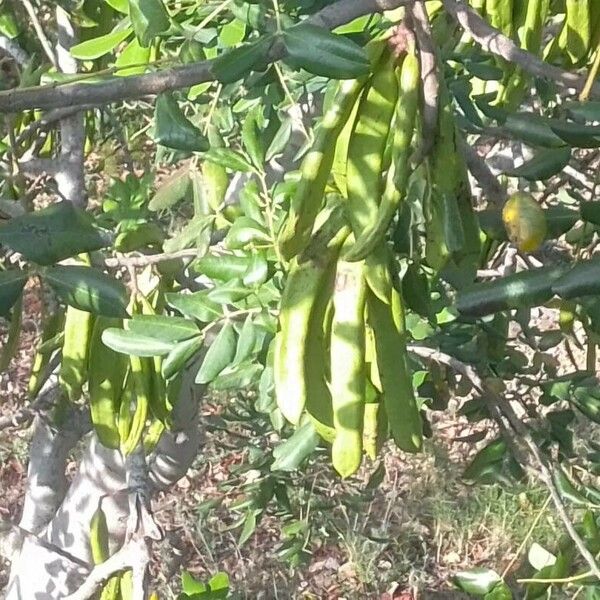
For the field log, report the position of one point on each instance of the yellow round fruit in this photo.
(525, 222)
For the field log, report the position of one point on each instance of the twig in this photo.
(149, 259)
(499, 407)
(430, 88)
(492, 190)
(571, 579)
(136, 86)
(41, 34)
(493, 41)
(591, 78)
(48, 120)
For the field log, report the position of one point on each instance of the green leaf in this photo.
(245, 231)
(232, 33)
(219, 582)
(223, 266)
(133, 59)
(229, 292)
(173, 129)
(88, 289)
(163, 327)
(246, 341)
(121, 6)
(149, 18)
(587, 400)
(132, 342)
(280, 139)
(8, 25)
(567, 490)
(290, 455)
(257, 271)
(229, 159)
(243, 376)
(477, 581)
(251, 137)
(500, 592)
(219, 355)
(196, 233)
(249, 527)
(178, 357)
(321, 52)
(190, 585)
(543, 165)
(237, 63)
(97, 47)
(52, 234)
(11, 288)
(196, 305)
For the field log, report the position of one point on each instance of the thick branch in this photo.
(128, 88)
(493, 41)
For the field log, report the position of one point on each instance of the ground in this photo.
(400, 540)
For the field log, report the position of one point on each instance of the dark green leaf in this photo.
(576, 135)
(587, 111)
(324, 53)
(492, 453)
(11, 288)
(132, 342)
(219, 355)
(543, 165)
(149, 18)
(532, 129)
(239, 62)
(52, 234)
(174, 130)
(590, 212)
(88, 289)
(295, 450)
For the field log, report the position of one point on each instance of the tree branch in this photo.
(493, 41)
(128, 88)
(430, 90)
